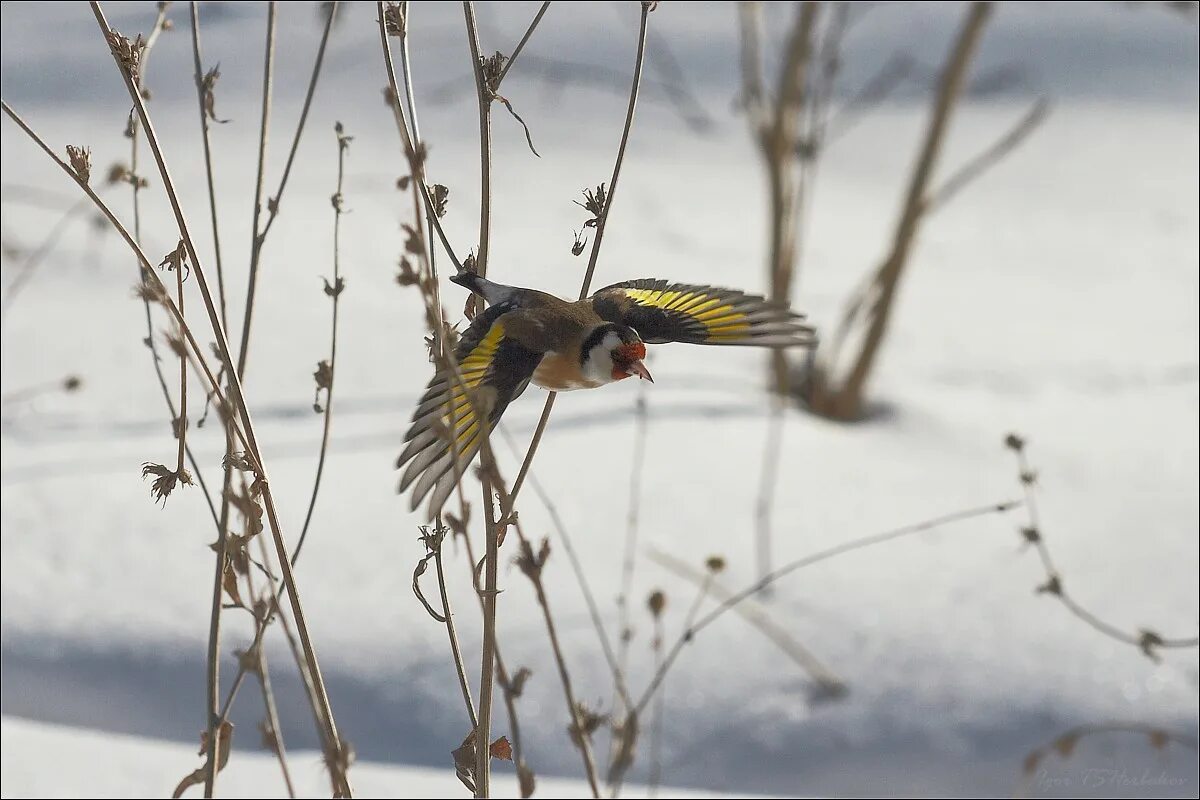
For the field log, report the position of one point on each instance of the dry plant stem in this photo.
(768, 481)
(1146, 639)
(565, 677)
(456, 652)
(238, 398)
(781, 136)
(483, 730)
(264, 680)
(655, 774)
(412, 144)
(264, 136)
(434, 313)
(601, 226)
(208, 166)
(343, 145)
(259, 235)
(484, 96)
(757, 616)
(521, 44)
(214, 635)
(431, 220)
(659, 709)
(843, 398)
(483, 726)
(502, 675)
(618, 674)
(988, 158)
(629, 558)
(821, 555)
(535, 577)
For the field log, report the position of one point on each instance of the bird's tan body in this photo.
(556, 327)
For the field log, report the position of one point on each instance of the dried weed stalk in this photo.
(1146, 639)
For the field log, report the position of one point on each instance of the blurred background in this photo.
(1051, 290)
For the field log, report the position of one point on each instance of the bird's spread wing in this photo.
(446, 430)
(661, 311)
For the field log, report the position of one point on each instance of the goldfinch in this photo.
(529, 336)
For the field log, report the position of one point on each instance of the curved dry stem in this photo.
(809, 560)
(197, 64)
(1147, 640)
(601, 226)
(334, 290)
(512, 59)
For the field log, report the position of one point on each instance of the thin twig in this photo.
(492, 556)
(988, 158)
(208, 165)
(1147, 640)
(531, 565)
(827, 682)
(264, 136)
(334, 291)
(589, 598)
(521, 44)
(624, 628)
(821, 555)
(259, 236)
(601, 226)
(258, 656)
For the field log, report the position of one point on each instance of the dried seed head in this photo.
(208, 85)
(72, 383)
(492, 66)
(1014, 442)
(589, 722)
(1148, 640)
(117, 173)
(129, 54)
(239, 460)
(580, 243)
(714, 564)
(594, 203)
(1053, 586)
(81, 161)
(323, 376)
(334, 290)
(516, 684)
(657, 602)
(176, 259)
(439, 194)
(165, 480)
(407, 275)
(394, 21)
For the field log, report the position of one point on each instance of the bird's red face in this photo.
(627, 361)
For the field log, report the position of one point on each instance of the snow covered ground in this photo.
(1056, 297)
(115, 765)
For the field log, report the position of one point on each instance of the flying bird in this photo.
(529, 336)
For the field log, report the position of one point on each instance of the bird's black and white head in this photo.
(613, 352)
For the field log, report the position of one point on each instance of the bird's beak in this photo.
(639, 369)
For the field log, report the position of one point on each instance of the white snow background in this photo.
(1057, 296)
